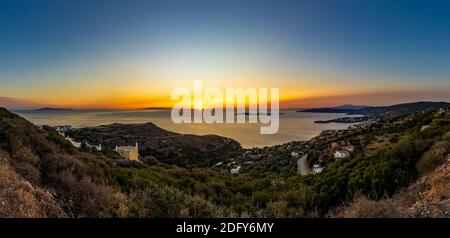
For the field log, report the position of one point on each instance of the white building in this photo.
(98, 147)
(235, 170)
(317, 169)
(341, 154)
(294, 154)
(63, 128)
(74, 143)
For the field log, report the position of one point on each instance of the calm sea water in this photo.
(293, 125)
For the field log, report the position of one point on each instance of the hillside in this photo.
(401, 162)
(328, 110)
(43, 175)
(399, 109)
(347, 108)
(427, 197)
(379, 112)
(165, 146)
(19, 198)
(351, 106)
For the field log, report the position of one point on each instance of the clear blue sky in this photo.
(403, 41)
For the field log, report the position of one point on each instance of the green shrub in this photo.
(428, 162)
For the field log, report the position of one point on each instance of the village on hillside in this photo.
(301, 157)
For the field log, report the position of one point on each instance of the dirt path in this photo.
(301, 165)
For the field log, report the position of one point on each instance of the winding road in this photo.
(301, 165)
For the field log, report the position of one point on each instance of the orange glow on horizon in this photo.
(135, 87)
(286, 101)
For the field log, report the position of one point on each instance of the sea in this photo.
(293, 126)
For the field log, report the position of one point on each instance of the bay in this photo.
(293, 125)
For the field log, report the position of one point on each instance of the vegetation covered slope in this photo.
(47, 176)
(429, 196)
(386, 112)
(70, 181)
(154, 142)
(43, 175)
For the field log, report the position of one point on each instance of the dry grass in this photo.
(428, 197)
(18, 198)
(432, 194)
(362, 207)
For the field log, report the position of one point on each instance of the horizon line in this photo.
(169, 108)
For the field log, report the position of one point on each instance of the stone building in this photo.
(129, 152)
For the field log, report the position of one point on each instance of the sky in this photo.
(132, 54)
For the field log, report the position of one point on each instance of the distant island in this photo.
(155, 108)
(345, 120)
(53, 109)
(346, 108)
(257, 114)
(351, 106)
(378, 113)
(327, 110)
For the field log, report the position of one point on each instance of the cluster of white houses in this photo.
(341, 153)
(344, 152)
(127, 152)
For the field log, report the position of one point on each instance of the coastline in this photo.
(294, 126)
